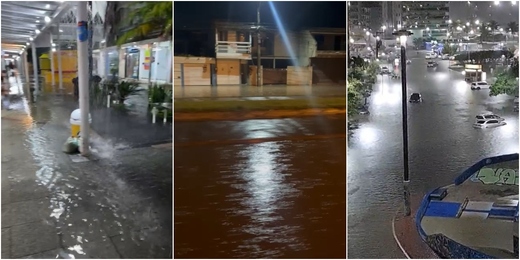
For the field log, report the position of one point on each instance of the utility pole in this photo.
(58, 49)
(258, 51)
(83, 73)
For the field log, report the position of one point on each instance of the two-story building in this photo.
(310, 56)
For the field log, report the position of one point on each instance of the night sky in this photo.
(485, 11)
(293, 14)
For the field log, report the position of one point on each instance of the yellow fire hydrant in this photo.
(75, 122)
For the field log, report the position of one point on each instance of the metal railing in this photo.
(233, 47)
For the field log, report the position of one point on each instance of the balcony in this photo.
(233, 50)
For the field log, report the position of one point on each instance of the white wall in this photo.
(161, 68)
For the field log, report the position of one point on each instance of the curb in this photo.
(395, 236)
(270, 114)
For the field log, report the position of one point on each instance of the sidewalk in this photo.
(116, 205)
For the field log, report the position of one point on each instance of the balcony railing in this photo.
(233, 47)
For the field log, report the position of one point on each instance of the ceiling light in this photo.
(37, 21)
(27, 44)
(61, 30)
(47, 19)
(53, 49)
(30, 38)
(47, 6)
(53, 44)
(37, 31)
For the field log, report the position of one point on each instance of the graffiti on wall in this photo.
(499, 176)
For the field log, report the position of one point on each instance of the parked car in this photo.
(416, 98)
(488, 116)
(408, 61)
(488, 123)
(385, 70)
(479, 85)
(445, 56)
(431, 64)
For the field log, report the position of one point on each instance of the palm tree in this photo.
(494, 26)
(143, 18)
(513, 27)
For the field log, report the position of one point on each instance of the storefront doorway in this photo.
(132, 63)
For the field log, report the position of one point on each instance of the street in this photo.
(442, 143)
(260, 188)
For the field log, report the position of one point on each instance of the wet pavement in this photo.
(260, 188)
(190, 92)
(442, 143)
(116, 205)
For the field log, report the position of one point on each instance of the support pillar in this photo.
(83, 74)
(35, 69)
(26, 66)
(58, 49)
(51, 57)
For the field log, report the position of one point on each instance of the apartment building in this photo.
(358, 14)
(428, 19)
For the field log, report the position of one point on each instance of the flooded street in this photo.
(260, 189)
(115, 205)
(442, 144)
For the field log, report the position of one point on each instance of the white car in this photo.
(479, 85)
(488, 123)
(431, 55)
(385, 70)
(488, 116)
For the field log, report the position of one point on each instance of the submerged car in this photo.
(488, 123)
(431, 64)
(488, 116)
(479, 85)
(385, 70)
(416, 98)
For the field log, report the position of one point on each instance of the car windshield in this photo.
(415, 96)
(482, 83)
(480, 122)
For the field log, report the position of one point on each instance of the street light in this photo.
(467, 23)
(497, 2)
(477, 22)
(368, 33)
(403, 35)
(351, 40)
(450, 21)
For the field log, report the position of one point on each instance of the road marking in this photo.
(261, 140)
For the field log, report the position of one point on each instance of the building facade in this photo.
(358, 14)
(431, 18)
(235, 56)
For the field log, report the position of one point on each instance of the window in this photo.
(482, 83)
(479, 117)
(480, 122)
(489, 117)
(493, 122)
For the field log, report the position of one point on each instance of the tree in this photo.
(354, 96)
(484, 33)
(146, 17)
(418, 43)
(449, 49)
(513, 27)
(506, 84)
(494, 26)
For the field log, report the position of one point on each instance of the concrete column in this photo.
(83, 74)
(58, 49)
(51, 54)
(26, 66)
(35, 68)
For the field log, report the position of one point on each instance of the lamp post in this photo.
(403, 35)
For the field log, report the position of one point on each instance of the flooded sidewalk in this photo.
(115, 205)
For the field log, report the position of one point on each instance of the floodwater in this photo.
(284, 198)
(442, 143)
(94, 209)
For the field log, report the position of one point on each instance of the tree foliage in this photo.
(513, 27)
(449, 49)
(506, 83)
(146, 17)
(354, 96)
